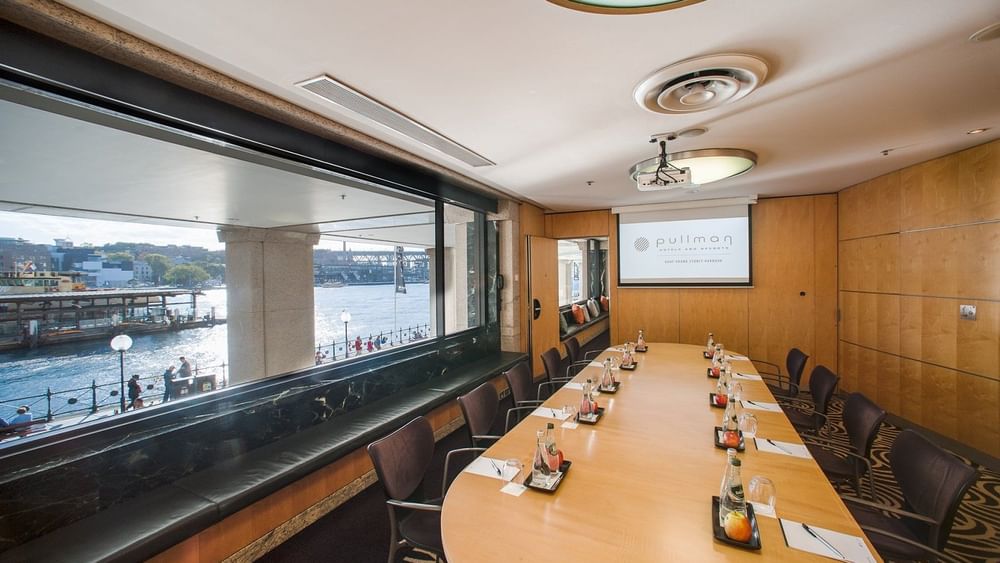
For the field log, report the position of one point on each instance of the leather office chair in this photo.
(784, 385)
(577, 361)
(862, 420)
(810, 417)
(553, 381)
(479, 407)
(521, 384)
(401, 460)
(933, 483)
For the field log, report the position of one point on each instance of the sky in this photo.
(43, 229)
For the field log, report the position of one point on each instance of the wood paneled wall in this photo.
(794, 251)
(914, 245)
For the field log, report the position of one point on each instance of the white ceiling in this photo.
(546, 92)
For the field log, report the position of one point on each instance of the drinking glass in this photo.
(511, 469)
(737, 389)
(570, 412)
(761, 491)
(748, 424)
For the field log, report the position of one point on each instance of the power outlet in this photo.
(967, 312)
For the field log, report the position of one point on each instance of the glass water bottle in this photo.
(540, 471)
(710, 347)
(551, 451)
(731, 495)
(608, 379)
(641, 341)
(586, 401)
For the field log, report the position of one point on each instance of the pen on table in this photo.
(822, 539)
(500, 473)
(770, 441)
(554, 413)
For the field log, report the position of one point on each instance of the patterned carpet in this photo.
(975, 536)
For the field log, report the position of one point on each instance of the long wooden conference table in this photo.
(642, 478)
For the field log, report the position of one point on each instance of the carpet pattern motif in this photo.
(975, 535)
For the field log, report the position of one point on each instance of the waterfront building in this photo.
(17, 254)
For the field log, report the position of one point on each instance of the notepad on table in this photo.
(843, 547)
(784, 448)
(748, 376)
(486, 466)
(757, 405)
(546, 412)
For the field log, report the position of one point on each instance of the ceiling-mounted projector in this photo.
(650, 182)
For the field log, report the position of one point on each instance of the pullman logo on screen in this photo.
(671, 243)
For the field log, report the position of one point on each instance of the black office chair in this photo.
(933, 483)
(577, 361)
(521, 384)
(862, 420)
(811, 416)
(401, 460)
(479, 407)
(553, 381)
(784, 385)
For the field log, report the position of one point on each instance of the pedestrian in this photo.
(378, 342)
(134, 389)
(319, 357)
(357, 345)
(371, 345)
(185, 371)
(168, 380)
(23, 415)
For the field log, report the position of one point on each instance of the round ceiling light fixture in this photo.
(690, 168)
(623, 6)
(701, 83)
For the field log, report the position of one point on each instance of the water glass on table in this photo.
(761, 492)
(748, 424)
(511, 469)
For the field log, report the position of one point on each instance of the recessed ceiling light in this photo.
(977, 131)
(623, 6)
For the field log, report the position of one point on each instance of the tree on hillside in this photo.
(159, 264)
(185, 275)
(217, 271)
(119, 257)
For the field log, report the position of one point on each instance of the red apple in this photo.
(737, 527)
(721, 400)
(731, 439)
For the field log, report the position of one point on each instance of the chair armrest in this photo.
(506, 425)
(592, 354)
(414, 505)
(756, 361)
(798, 404)
(890, 509)
(476, 438)
(908, 541)
(577, 364)
(444, 479)
(554, 384)
(528, 403)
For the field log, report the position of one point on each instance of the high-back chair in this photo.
(787, 384)
(401, 459)
(522, 391)
(862, 420)
(577, 360)
(810, 417)
(479, 407)
(573, 349)
(933, 483)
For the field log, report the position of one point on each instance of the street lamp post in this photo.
(120, 344)
(346, 317)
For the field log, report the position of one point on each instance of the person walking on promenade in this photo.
(134, 390)
(185, 371)
(357, 346)
(370, 345)
(168, 379)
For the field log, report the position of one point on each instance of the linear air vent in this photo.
(349, 98)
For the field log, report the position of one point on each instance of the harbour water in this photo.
(374, 309)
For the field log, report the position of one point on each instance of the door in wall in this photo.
(543, 299)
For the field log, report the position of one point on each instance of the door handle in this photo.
(537, 308)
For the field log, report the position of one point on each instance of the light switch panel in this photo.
(967, 312)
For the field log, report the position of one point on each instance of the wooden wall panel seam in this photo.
(924, 295)
(903, 357)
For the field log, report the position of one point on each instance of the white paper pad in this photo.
(595, 365)
(763, 509)
(783, 448)
(757, 405)
(513, 489)
(485, 466)
(573, 385)
(546, 412)
(570, 425)
(749, 376)
(737, 357)
(851, 547)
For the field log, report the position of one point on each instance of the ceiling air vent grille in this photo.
(348, 98)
